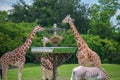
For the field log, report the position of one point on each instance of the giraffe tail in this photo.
(106, 74)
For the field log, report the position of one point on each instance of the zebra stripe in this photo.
(81, 72)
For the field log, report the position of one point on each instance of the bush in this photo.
(111, 51)
(108, 50)
(13, 35)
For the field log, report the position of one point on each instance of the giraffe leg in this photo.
(49, 74)
(4, 71)
(20, 67)
(43, 73)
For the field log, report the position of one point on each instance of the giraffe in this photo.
(17, 56)
(46, 73)
(85, 55)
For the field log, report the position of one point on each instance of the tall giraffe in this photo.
(17, 56)
(84, 54)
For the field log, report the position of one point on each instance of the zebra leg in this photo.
(77, 77)
(72, 76)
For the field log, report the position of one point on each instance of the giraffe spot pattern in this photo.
(84, 54)
(16, 56)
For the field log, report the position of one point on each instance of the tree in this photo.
(21, 12)
(47, 12)
(3, 16)
(100, 18)
(117, 29)
(13, 35)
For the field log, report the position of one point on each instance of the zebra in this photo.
(94, 73)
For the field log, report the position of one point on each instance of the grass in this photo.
(64, 72)
(65, 50)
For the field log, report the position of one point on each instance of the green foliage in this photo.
(118, 17)
(47, 12)
(3, 16)
(105, 48)
(111, 51)
(100, 18)
(94, 42)
(13, 35)
(68, 40)
(93, 20)
(108, 50)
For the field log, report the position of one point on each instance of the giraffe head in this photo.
(45, 39)
(38, 28)
(67, 19)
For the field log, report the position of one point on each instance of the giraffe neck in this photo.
(28, 42)
(78, 38)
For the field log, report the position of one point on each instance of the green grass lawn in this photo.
(64, 72)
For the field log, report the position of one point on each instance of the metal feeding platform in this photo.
(54, 50)
(53, 57)
(56, 56)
